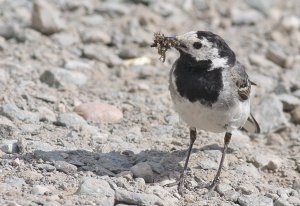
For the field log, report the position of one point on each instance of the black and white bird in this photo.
(210, 90)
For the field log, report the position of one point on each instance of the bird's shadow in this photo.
(163, 163)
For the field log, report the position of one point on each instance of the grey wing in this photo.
(243, 84)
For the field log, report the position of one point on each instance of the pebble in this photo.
(46, 114)
(262, 6)
(90, 186)
(248, 169)
(40, 190)
(66, 39)
(276, 55)
(271, 162)
(7, 127)
(275, 139)
(255, 200)
(102, 54)
(281, 202)
(8, 31)
(46, 167)
(113, 9)
(269, 113)
(71, 119)
(77, 65)
(290, 23)
(290, 78)
(137, 198)
(46, 18)
(60, 77)
(12, 112)
(65, 167)
(289, 101)
(15, 181)
(9, 146)
(99, 112)
(248, 17)
(248, 189)
(95, 36)
(296, 115)
(143, 170)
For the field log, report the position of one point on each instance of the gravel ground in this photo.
(86, 117)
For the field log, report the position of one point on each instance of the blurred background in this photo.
(84, 96)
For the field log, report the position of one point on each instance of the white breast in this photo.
(222, 116)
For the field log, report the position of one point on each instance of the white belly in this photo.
(218, 118)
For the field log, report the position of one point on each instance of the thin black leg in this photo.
(193, 135)
(217, 177)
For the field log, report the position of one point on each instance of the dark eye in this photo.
(197, 45)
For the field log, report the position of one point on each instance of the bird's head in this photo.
(204, 45)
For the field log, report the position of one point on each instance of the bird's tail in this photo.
(251, 125)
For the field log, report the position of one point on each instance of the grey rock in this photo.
(9, 146)
(289, 101)
(290, 23)
(248, 189)
(255, 200)
(276, 55)
(137, 198)
(262, 6)
(248, 17)
(92, 186)
(269, 113)
(33, 129)
(46, 18)
(71, 119)
(101, 53)
(165, 9)
(94, 36)
(294, 200)
(207, 163)
(65, 167)
(12, 112)
(8, 31)
(128, 53)
(46, 167)
(112, 9)
(15, 181)
(77, 65)
(248, 169)
(46, 114)
(271, 162)
(281, 202)
(7, 127)
(66, 39)
(59, 77)
(290, 78)
(297, 93)
(39, 190)
(143, 170)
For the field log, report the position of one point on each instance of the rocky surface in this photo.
(86, 116)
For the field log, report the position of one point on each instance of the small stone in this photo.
(7, 127)
(15, 181)
(275, 139)
(248, 169)
(113, 9)
(255, 200)
(46, 114)
(94, 36)
(289, 101)
(77, 65)
(262, 6)
(12, 112)
(8, 31)
(281, 202)
(46, 167)
(59, 77)
(294, 200)
(46, 18)
(39, 190)
(269, 114)
(296, 115)
(248, 189)
(101, 53)
(248, 17)
(9, 146)
(65, 167)
(66, 39)
(143, 170)
(277, 56)
(290, 23)
(90, 186)
(99, 112)
(71, 119)
(296, 184)
(128, 53)
(290, 78)
(271, 162)
(137, 198)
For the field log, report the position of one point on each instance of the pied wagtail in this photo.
(209, 88)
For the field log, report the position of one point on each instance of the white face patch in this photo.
(206, 52)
